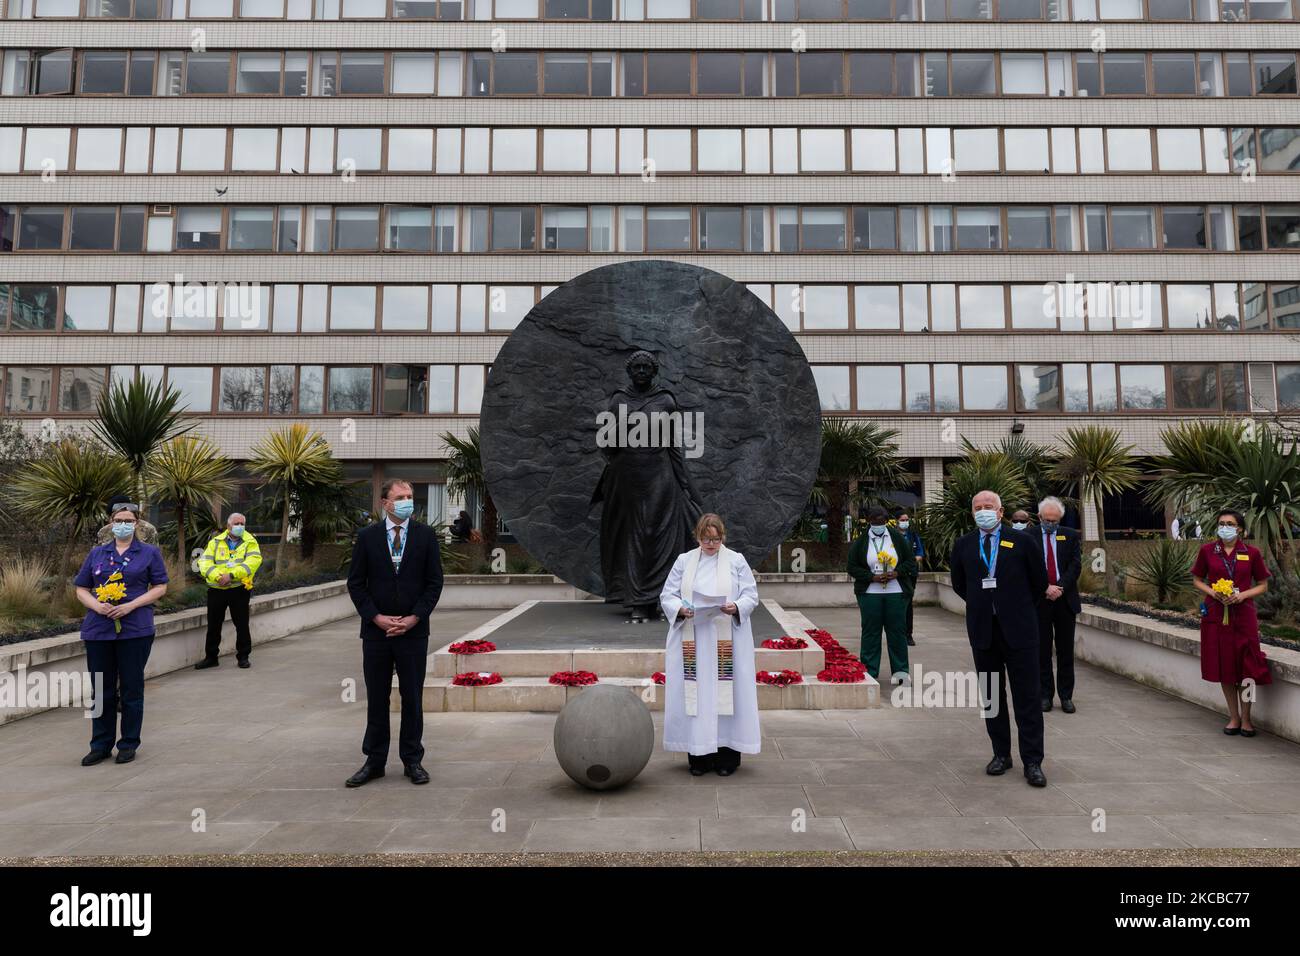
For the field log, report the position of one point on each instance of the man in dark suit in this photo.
(395, 581)
(1061, 552)
(997, 572)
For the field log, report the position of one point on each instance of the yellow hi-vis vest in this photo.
(241, 563)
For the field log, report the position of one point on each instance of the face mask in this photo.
(987, 519)
(878, 530)
(904, 525)
(1050, 526)
(237, 530)
(404, 509)
(1228, 532)
(1020, 525)
(123, 529)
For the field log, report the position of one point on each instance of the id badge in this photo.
(990, 583)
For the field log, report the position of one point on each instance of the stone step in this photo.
(532, 693)
(636, 663)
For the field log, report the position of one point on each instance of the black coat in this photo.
(1022, 583)
(1069, 562)
(376, 589)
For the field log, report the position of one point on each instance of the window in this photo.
(251, 227)
(1129, 150)
(668, 74)
(1029, 227)
(823, 228)
(832, 386)
(565, 73)
(876, 307)
(979, 228)
(668, 228)
(93, 227)
(279, 399)
(1189, 306)
(514, 228)
(207, 73)
(195, 386)
(410, 150)
(1124, 74)
(413, 73)
(514, 73)
(1142, 387)
(352, 308)
(46, 149)
(720, 228)
(359, 149)
(442, 388)
(99, 149)
(28, 390)
(361, 73)
(880, 388)
(203, 149)
(406, 308)
(409, 228)
(258, 74)
(563, 150)
(984, 387)
(972, 74)
(351, 389)
(406, 388)
(356, 227)
(242, 389)
(469, 389)
(254, 150)
(1283, 226)
(103, 72)
(1027, 150)
(1179, 150)
(86, 308)
(198, 227)
(515, 150)
(33, 308)
(1133, 227)
(826, 307)
(311, 390)
(1038, 388)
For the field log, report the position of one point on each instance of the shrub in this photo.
(1165, 567)
(21, 590)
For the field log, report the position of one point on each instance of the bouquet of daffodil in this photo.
(1225, 587)
(112, 591)
(885, 562)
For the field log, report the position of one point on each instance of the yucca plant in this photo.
(185, 470)
(1035, 463)
(1197, 456)
(134, 419)
(292, 460)
(71, 484)
(1093, 464)
(949, 517)
(465, 472)
(1165, 567)
(1263, 483)
(853, 452)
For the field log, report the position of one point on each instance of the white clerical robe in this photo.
(708, 730)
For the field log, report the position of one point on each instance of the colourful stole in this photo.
(723, 585)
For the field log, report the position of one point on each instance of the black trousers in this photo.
(1056, 629)
(379, 658)
(1020, 664)
(118, 662)
(724, 758)
(908, 632)
(236, 600)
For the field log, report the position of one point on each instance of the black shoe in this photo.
(910, 642)
(243, 662)
(206, 663)
(998, 766)
(95, 756)
(1067, 705)
(124, 756)
(417, 773)
(1248, 733)
(363, 776)
(726, 771)
(699, 771)
(1034, 774)
(1232, 731)
(1047, 704)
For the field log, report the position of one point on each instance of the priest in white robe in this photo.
(711, 702)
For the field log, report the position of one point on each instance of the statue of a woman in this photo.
(650, 509)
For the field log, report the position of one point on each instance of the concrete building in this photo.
(978, 216)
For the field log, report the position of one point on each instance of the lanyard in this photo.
(878, 548)
(995, 541)
(1227, 565)
(396, 553)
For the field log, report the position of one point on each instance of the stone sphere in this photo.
(604, 736)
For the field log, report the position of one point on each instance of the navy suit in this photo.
(413, 588)
(1002, 624)
(1056, 618)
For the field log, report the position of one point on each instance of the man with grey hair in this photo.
(1061, 553)
(996, 571)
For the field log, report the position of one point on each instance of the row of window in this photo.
(477, 308)
(638, 229)
(637, 150)
(942, 388)
(256, 389)
(673, 73)
(1055, 388)
(608, 10)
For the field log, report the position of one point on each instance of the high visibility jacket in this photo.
(240, 562)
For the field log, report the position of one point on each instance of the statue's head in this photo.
(642, 368)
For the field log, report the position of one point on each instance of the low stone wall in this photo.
(1168, 658)
(178, 642)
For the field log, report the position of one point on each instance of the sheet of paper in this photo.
(702, 600)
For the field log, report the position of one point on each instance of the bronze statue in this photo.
(649, 507)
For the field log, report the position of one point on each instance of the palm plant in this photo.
(1166, 567)
(1035, 463)
(465, 472)
(1093, 464)
(135, 419)
(71, 484)
(293, 460)
(1197, 454)
(949, 517)
(853, 452)
(185, 470)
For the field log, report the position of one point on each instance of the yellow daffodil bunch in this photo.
(112, 591)
(1225, 587)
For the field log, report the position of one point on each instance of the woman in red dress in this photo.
(1230, 651)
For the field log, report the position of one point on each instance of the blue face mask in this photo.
(1020, 525)
(904, 525)
(1228, 532)
(404, 509)
(1051, 526)
(123, 529)
(878, 529)
(237, 530)
(987, 519)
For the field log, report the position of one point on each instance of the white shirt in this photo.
(876, 547)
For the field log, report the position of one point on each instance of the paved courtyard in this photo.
(253, 762)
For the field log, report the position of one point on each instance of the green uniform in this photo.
(887, 611)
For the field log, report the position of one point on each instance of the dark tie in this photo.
(1051, 557)
(988, 549)
(397, 539)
